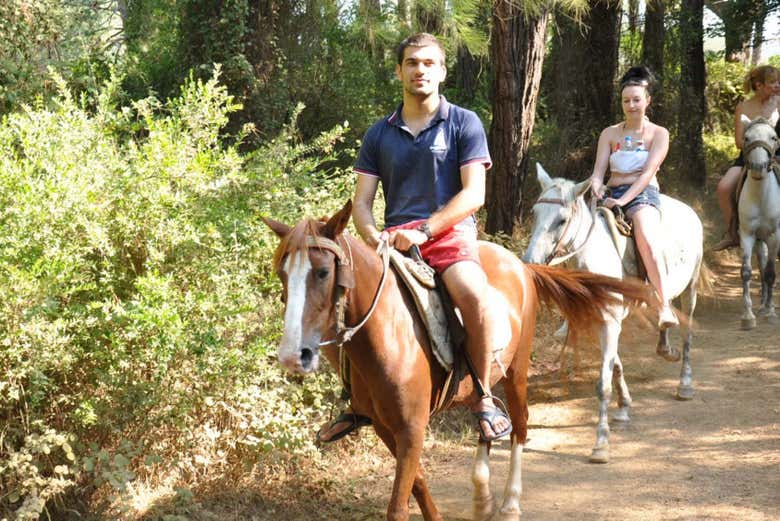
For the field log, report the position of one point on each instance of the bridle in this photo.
(345, 280)
(759, 143)
(558, 254)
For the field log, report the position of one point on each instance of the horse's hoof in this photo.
(684, 392)
(507, 516)
(748, 324)
(772, 319)
(621, 418)
(668, 353)
(483, 508)
(599, 455)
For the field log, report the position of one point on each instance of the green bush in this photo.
(723, 92)
(137, 305)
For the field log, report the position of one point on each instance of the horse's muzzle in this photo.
(304, 361)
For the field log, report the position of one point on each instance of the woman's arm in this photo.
(600, 166)
(658, 151)
(739, 129)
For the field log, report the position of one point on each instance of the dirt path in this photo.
(716, 457)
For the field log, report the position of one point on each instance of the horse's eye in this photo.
(322, 273)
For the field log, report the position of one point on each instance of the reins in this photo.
(558, 254)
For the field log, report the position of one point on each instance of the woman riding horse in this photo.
(764, 83)
(634, 150)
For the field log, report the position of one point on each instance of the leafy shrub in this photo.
(723, 92)
(137, 308)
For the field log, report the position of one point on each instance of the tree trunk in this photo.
(633, 16)
(467, 74)
(738, 17)
(758, 34)
(584, 65)
(692, 102)
(402, 10)
(516, 53)
(653, 55)
(371, 12)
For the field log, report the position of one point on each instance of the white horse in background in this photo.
(564, 227)
(759, 215)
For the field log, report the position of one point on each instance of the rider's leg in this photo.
(650, 242)
(467, 285)
(350, 419)
(725, 191)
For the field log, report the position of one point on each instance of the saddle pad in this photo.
(431, 308)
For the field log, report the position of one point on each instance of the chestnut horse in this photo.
(394, 376)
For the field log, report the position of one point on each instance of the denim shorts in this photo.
(650, 196)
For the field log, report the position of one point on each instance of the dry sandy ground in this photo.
(716, 457)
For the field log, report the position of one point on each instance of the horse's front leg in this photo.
(748, 318)
(419, 488)
(609, 336)
(480, 478)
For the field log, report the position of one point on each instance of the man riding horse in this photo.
(431, 158)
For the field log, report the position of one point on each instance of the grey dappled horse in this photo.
(564, 227)
(759, 216)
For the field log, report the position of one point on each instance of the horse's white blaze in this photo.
(297, 269)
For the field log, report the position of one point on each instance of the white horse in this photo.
(564, 227)
(759, 215)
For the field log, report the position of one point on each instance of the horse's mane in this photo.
(296, 240)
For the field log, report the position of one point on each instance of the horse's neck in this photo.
(761, 193)
(600, 254)
(367, 270)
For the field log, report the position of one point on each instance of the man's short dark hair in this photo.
(419, 40)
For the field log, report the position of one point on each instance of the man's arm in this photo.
(362, 208)
(466, 202)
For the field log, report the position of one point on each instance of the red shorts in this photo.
(456, 244)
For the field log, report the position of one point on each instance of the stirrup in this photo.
(355, 421)
(490, 416)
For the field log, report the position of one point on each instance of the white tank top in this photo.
(628, 161)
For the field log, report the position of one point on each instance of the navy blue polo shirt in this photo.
(421, 174)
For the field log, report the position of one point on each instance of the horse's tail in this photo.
(704, 283)
(583, 297)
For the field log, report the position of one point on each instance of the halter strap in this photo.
(344, 334)
(558, 254)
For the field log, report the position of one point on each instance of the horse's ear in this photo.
(543, 177)
(581, 187)
(338, 222)
(279, 229)
(745, 120)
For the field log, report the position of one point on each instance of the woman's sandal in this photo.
(354, 421)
